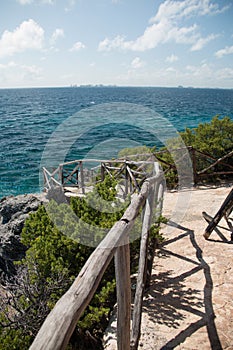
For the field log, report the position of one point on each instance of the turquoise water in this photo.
(28, 117)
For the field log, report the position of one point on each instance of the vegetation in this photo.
(53, 259)
(214, 139)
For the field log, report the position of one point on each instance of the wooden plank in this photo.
(126, 180)
(51, 179)
(61, 176)
(82, 177)
(159, 193)
(46, 181)
(132, 177)
(102, 172)
(68, 178)
(194, 161)
(51, 176)
(122, 268)
(219, 160)
(141, 279)
(106, 169)
(55, 181)
(211, 157)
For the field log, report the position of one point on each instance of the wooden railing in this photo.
(210, 169)
(81, 173)
(75, 173)
(60, 323)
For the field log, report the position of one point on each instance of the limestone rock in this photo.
(13, 213)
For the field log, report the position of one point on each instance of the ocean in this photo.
(28, 118)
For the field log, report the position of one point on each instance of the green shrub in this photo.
(52, 261)
(214, 139)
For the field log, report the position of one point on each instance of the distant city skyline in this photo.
(51, 43)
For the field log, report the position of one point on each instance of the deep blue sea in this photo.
(28, 117)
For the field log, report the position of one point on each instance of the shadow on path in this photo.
(169, 296)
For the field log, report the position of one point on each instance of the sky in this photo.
(47, 43)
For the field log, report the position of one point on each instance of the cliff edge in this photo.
(13, 213)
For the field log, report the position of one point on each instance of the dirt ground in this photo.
(189, 304)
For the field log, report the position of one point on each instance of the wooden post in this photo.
(61, 177)
(194, 161)
(142, 270)
(158, 202)
(102, 172)
(82, 177)
(126, 181)
(122, 266)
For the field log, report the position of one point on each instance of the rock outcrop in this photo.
(13, 212)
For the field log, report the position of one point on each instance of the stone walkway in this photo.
(189, 305)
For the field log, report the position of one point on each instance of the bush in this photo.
(214, 139)
(52, 261)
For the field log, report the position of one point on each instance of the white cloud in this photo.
(228, 50)
(176, 10)
(201, 42)
(77, 46)
(28, 2)
(172, 58)
(165, 26)
(25, 2)
(203, 71)
(137, 63)
(29, 35)
(116, 43)
(14, 74)
(225, 74)
(171, 70)
(200, 75)
(50, 2)
(58, 33)
(70, 5)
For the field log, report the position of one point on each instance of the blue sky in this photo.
(122, 42)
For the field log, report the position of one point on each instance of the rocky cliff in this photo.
(13, 212)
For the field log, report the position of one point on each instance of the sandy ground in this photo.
(189, 304)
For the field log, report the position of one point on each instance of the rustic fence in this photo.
(81, 174)
(204, 165)
(75, 173)
(62, 320)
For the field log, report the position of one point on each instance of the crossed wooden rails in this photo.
(75, 174)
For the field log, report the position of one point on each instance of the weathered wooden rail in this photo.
(75, 173)
(196, 156)
(80, 174)
(61, 322)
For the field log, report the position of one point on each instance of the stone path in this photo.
(189, 305)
